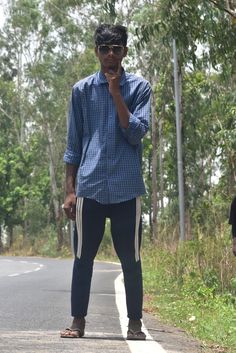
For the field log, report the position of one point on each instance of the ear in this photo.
(96, 51)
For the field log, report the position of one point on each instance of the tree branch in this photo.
(5, 113)
(230, 12)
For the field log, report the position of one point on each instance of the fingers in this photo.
(234, 250)
(234, 246)
(113, 79)
(111, 72)
(111, 75)
(70, 211)
(108, 76)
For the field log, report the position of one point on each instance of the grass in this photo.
(183, 292)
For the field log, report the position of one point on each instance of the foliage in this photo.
(38, 70)
(184, 287)
(45, 47)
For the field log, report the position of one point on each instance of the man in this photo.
(232, 221)
(108, 117)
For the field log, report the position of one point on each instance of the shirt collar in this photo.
(101, 78)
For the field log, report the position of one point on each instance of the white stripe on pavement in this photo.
(40, 267)
(148, 346)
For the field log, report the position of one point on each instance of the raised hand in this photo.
(113, 78)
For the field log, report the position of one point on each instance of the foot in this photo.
(76, 330)
(134, 330)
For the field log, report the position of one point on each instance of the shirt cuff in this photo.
(133, 123)
(71, 158)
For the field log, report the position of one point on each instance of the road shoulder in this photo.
(172, 339)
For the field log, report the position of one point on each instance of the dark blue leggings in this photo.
(126, 235)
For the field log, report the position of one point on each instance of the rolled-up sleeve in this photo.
(73, 150)
(139, 119)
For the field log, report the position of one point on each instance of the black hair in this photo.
(110, 34)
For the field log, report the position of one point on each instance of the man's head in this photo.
(110, 34)
(110, 46)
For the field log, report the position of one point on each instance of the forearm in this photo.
(137, 122)
(122, 110)
(69, 205)
(71, 172)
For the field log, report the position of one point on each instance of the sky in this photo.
(1, 16)
(2, 3)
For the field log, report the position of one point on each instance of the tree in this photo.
(33, 36)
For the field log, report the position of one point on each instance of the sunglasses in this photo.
(105, 49)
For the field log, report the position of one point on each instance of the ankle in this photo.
(135, 323)
(78, 319)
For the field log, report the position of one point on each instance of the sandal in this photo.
(72, 333)
(76, 330)
(136, 335)
(134, 331)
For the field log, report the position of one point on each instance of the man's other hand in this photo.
(69, 206)
(234, 246)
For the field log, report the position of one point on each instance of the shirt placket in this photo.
(110, 138)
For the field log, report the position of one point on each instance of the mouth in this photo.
(110, 61)
(111, 64)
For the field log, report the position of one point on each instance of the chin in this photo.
(112, 67)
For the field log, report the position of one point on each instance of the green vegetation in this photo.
(45, 47)
(194, 287)
(44, 50)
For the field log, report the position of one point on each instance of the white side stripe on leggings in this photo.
(79, 225)
(137, 223)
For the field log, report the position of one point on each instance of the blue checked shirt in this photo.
(108, 156)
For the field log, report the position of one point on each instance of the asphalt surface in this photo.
(35, 306)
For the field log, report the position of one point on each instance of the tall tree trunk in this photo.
(187, 220)
(19, 93)
(10, 236)
(150, 194)
(160, 130)
(154, 170)
(231, 173)
(54, 189)
(21, 114)
(1, 244)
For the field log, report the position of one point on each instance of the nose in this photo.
(110, 51)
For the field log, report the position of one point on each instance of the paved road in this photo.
(35, 306)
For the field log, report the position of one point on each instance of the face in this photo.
(110, 56)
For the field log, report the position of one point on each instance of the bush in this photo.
(192, 285)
